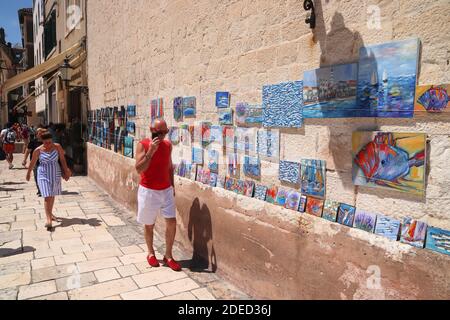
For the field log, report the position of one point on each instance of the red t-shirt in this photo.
(158, 174)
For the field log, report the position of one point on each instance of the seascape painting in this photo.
(247, 114)
(438, 240)
(226, 116)
(313, 177)
(189, 107)
(222, 99)
(413, 232)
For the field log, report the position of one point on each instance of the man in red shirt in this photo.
(156, 190)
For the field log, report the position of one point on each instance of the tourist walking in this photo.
(8, 138)
(49, 173)
(35, 142)
(25, 136)
(156, 192)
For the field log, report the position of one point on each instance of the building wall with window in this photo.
(139, 52)
(39, 84)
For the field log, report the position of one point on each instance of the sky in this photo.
(9, 18)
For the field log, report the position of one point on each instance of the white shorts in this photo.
(151, 202)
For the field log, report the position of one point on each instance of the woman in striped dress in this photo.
(49, 173)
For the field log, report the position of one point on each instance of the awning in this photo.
(25, 101)
(40, 70)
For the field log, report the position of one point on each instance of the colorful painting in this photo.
(314, 206)
(216, 135)
(213, 179)
(413, 232)
(230, 139)
(235, 185)
(313, 177)
(330, 92)
(226, 116)
(245, 139)
(192, 131)
(206, 133)
(233, 164)
(281, 197)
(252, 166)
(206, 176)
(260, 192)
(433, 99)
(157, 108)
(181, 168)
(128, 147)
(222, 99)
(197, 155)
(131, 111)
(174, 135)
(283, 105)
(438, 240)
(188, 171)
(189, 107)
(292, 200)
(131, 127)
(229, 183)
(213, 160)
(302, 205)
(268, 143)
(330, 210)
(199, 177)
(346, 214)
(289, 172)
(387, 227)
(185, 136)
(387, 79)
(271, 194)
(220, 182)
(249, 186)
(391, 160)
(365, 220)
(248, 114)
(178, 108)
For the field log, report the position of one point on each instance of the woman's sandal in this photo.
(48, 226)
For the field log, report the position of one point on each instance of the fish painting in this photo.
(390, 160)
(438, 240)
(413, 232)
(387, 227)
(434, 99)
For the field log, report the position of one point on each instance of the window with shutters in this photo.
(50, 34)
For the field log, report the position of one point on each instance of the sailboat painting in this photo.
(433, 99)
(313, 175)
(438, 240)
(413, 232)
(387, 77)
(330, 92)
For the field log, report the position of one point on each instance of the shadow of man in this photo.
(200, 234)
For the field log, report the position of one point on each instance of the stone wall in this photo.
(138, 52)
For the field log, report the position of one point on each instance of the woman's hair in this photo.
(46, 136)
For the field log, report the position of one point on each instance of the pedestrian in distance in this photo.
(156, 193)
(49, 173)
(8, 137)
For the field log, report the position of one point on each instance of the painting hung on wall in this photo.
(260, 192)
(174, 135)
(271, 195)
(226, 116)
(222, 99)
(197, 155)
(413, 232)
(220, 182)
(314, 206)
(391, 160)
(188, 171)
(289, 172)
(245, 139)
(292, 200)
(330, 92)
(387, 79)
(247, 114)
(233, 164)
(213, 179)
(387, 227)
(128, 147)
(206, 176)
(249, 187)
(281, 197)
(346, 214)
(302, 205)
(178, 108)
(313, 177)
(235, 185)
(268, 143)
(433, 99)
(131, 111)
(365, 220)
(330, 210)
(283, 105)
(185, 136)
(131, 127)
(216, 135)
(438, 240)
(205, 133)
(157, 108)
(252, 166)
(189, 107)
(199, 177)
(213, 157)
(230, 141)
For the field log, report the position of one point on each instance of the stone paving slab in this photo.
(97, 251)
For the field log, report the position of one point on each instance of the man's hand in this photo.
(154, 147)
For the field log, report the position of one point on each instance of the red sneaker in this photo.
(172, 264)
(153, 261)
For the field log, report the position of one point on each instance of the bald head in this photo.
(159, 126)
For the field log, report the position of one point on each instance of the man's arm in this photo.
(143, 158)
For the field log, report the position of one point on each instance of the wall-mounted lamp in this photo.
(66, 71)
(309, 5)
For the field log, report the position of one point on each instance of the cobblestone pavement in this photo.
(96, 252)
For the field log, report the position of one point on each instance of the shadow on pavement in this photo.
(67, 222)
(70, 193)
(11, 183)
(7, 252)
(9, 189)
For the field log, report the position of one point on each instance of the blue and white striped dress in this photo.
(49, 174)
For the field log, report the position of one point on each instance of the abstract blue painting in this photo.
(387, 227)
(283, 105)
(346, 214)
(213, 160)
(260, 192)
(292, 200)
(248, 114)
(216, 135)
(330, 92)
(438, 240)
(281, 197)
(268, 143)
(302, 205)
(313, 176)
(365, 220)
(245, 139)
(252, 166)
(131, 127)
(131, 111)
(197, 155)
(222, 99)
(413, 232)
(213, 179)
(387, 79)
(189, 107)
(178, 108)
(289, 172)
(226, 116)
